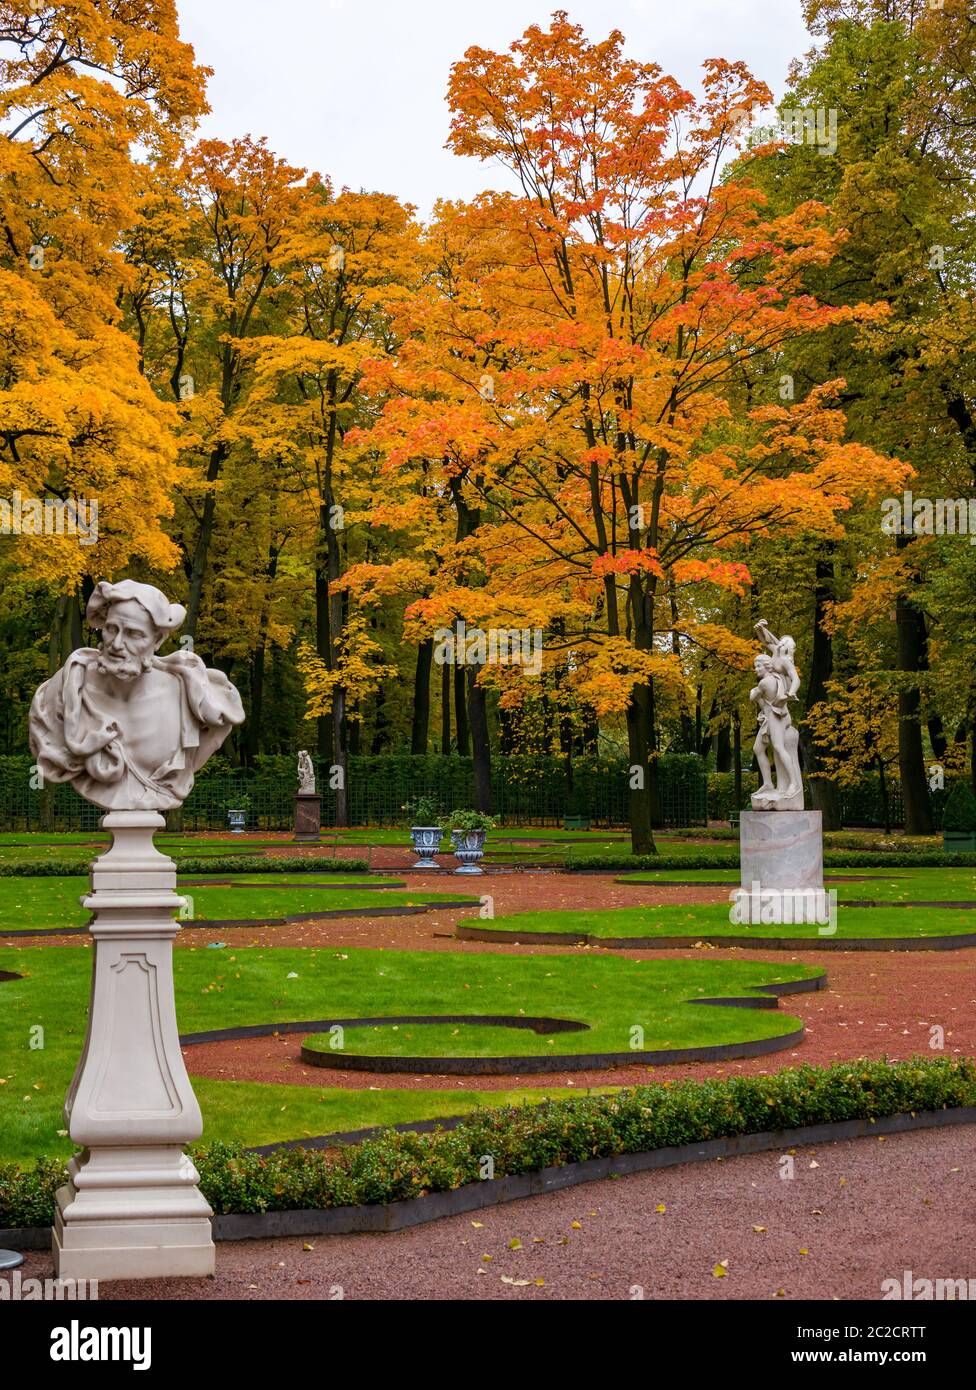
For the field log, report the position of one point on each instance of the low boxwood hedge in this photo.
(833, 859)
(230, 864)
(393, 1166)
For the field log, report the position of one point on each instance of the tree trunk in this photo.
(461, 712)
(201, 550)
(655, 806)
(251, 740)
(421, 697)
(641, 838)
(824, 794)
(885, 799)
(252, 729)
(445, 709)
(323, 648)
(737, 758)
(478, 706)
(910, 625)
(723, 748)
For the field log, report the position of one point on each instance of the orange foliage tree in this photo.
(568, 373)
(81, 85)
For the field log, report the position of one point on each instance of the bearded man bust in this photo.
(126, 727)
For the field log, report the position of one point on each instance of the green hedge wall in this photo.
(526, 789)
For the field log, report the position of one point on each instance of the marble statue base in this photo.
(308, 816)
(781, 856)
(131, 1208)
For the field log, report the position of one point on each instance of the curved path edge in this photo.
(955, 942)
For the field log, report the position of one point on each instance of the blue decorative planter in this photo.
(426, 840)
(237, 820)
(469, 846)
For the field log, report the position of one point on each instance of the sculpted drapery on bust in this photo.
(126, 727)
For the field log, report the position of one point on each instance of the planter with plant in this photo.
(237, 813)
(468, 831)
(426, 831)
(959, 820)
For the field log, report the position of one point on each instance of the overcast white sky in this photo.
(355, 88)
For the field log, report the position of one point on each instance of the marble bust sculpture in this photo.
(776, 738)
(126, 727)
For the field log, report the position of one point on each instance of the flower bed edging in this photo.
(759, 943)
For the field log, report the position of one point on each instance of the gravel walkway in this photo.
(853, 1214)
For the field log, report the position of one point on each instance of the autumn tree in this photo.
(81, 87)
(344, 262)
(570, 381)
(895, 73)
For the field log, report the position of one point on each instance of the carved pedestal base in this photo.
(132, 1208)
(308, 816)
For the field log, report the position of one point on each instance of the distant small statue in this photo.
(126, 727)
(777, 684)
(306, 775)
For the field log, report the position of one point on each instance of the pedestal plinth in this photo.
(781, 857)
(132, 1208)
(308, 816)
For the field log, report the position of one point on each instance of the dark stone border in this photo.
(632, 882)
(322, 1025)
(578, 1061)
(537, 1024)
(416, 1211)
(759, 943)
(903, 902)
(539, 1065)
(207, 924)
(325, 887)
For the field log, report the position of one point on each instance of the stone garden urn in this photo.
(426, 841)
(469, 846)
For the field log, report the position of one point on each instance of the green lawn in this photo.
(48, 903)
(228, 988)
(878, 885)
(708, 920)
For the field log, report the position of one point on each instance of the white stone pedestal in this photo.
(132, 1208)
(781, 856)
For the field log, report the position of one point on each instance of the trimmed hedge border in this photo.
(833, 859)
(615, 863)
(231, 864)
(403, 1178)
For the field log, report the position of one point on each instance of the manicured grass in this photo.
(893, 885)
(707, 920)
(253, 1113)
(49, 903)
(227, 988)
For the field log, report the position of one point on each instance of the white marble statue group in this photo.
(777, 742)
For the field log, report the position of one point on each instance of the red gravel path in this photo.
(511, 892)
(854, 1213)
